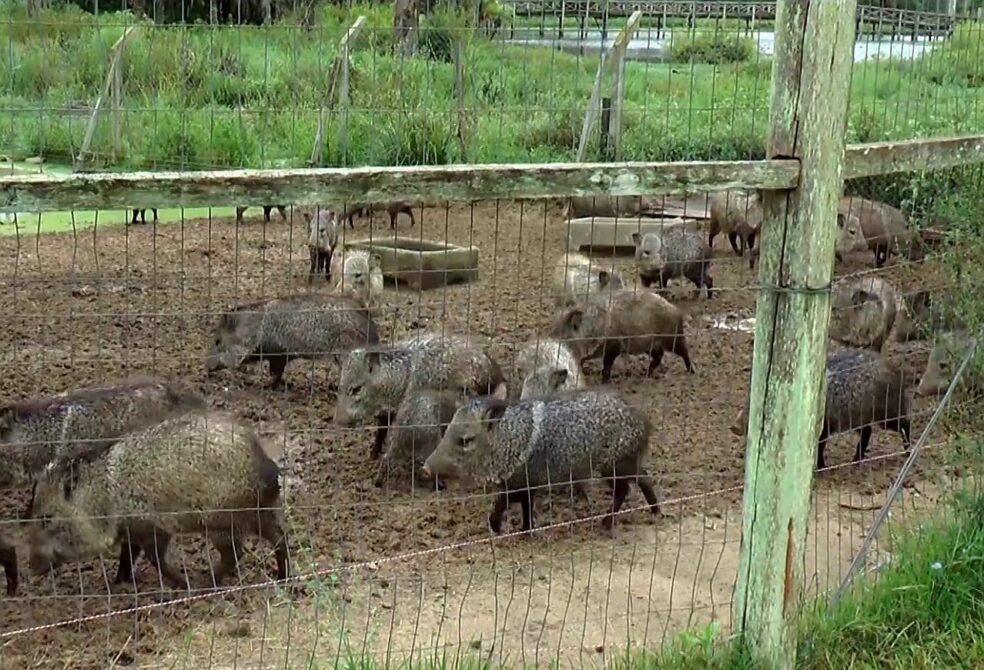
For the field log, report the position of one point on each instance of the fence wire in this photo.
(383, 568)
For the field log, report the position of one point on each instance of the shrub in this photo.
(713, 48)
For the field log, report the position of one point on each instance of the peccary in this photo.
(34, 432)
(677, 252)
(143, 215)
(521, 445)
(202, 472)
(849, 239)
(623, 322)
(885, 229)
(267, 209)
(280, 329)
(862, 311)
(577, 278)
(416, 430)
(362, 276)
(538, 364)
(375, 380)
(919, 316)
(322, 240)
(944, 358)
(862, 392)
(738, 215)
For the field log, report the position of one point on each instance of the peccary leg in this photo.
(709, 283)
(620, 489)
(904, 428)
(612, 350)
(394, 214)
(881, 255)
(272, 530)
(655, 358)
(283, 211)
(129, 552)
(266, 213)
(382, 426)
(526, 502)
(863, 444)
(8, 559)
(315, 264)
(751, 240)
(230, 549)
(498, 509)
(680, 349)
(413, 219)
(645, 483)
(239, 214)
(821, 447)
(278, 363)
(156, 550)
(646, 280)
(733, 238)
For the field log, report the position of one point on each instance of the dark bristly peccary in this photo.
(202, 472)
(623, 322)
(322, 228)
(278, 330)
(375, 380)
(677, 252)
(862, 392)
(415, 432)
(36, 431)
(267, 209)
(143, 215)
(522, 445)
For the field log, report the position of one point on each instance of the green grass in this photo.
(197, 96)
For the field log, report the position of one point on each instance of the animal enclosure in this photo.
(488, 137)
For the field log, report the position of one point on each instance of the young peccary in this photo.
(322, 240)
(623, 322)
(862, 312)
(202, 472)
(862, 392)
(375, 380)
(885, 229)
(416, 430)
(577, 278)
(267, 209)
(521, 445)
(362, 276)
(143, 215)
(677, 252)
(539, 364)
(34, 432)
(738, 215)
(849, 239)
(278, 330)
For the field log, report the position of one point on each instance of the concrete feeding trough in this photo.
(422, 264)
(605, 234)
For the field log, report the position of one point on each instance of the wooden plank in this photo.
(808, 119)
(44, 193)
(619, 49)
(865, 160)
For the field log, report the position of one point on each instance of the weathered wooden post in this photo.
(811, 73)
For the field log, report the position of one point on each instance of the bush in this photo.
(712, 48)
(958, 60)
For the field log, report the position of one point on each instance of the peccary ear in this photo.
(493, 413)
(859, 298)
(603, 278)
(574, 318)
(636, 238)
(558, 378)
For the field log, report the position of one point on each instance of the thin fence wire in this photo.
(400, 571)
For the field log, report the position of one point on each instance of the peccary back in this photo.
(885, 229)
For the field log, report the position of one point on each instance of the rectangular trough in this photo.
(422, 264)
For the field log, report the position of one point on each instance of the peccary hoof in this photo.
(495, 525)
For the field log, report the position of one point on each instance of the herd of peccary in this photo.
(125, 467)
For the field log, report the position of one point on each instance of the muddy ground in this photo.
(113, 302)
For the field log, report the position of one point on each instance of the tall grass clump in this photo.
(711, 47)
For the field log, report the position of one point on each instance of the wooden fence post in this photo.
(619, 49)
(338, 81)
(811, 84)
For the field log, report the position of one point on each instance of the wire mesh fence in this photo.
(440, 300)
